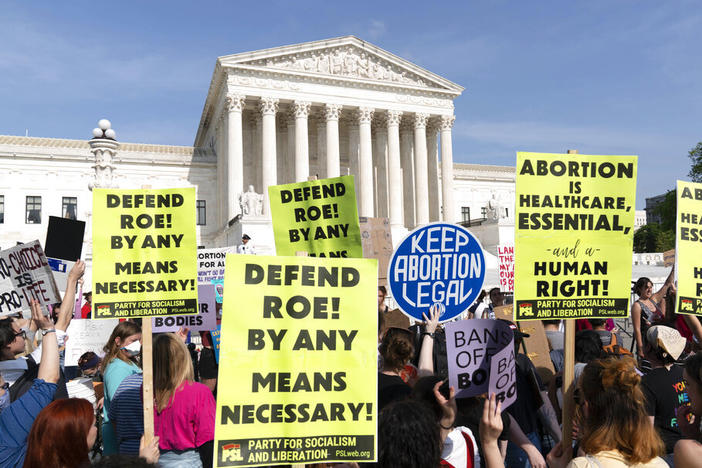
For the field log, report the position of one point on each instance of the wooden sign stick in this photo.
(568, 377)
(148, 374)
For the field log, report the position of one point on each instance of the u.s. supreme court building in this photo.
(318, 109)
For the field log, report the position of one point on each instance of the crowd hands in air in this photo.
(638, 410)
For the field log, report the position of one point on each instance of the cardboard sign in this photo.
(319, 217)
(205, 320)
(376, 239)
(87, 335)
(25, 274)
(440, 264)
(669, 258)
(505, 257)
(505, 312)
(144, 250)
(480, 356)
(396, 319)
(294, 381)
(64, 238)
(574, 235)
(688, 268)
(537, 348)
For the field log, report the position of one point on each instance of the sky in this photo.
(599, 76)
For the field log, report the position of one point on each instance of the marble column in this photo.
(235, 153)
(220, 149)
(256, 180)
(302, 150)
(420, 165)
(407, 161)
(447, 168)
(394, 168)
(290, 154)
(354, 165)
(281, 137)
(433, 173)
(365, 161)
(380, 160)
(321, 135)
(268, 107)
(331, 115)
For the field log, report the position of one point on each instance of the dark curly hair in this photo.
(588, 346)
(408, 436)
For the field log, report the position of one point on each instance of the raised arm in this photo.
(659, 295)
(426, 354)
(49, 366)
(68, 304)
(490, 430)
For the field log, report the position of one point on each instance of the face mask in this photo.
(133, 349)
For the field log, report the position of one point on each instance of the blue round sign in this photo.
(438, 264)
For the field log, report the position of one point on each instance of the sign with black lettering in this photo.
(295, 384)
(688, 248)
(24, 275)
(319, 217)
(144, 253)
(205, 320)
(573, 236)
(481, 359)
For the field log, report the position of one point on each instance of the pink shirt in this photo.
(188, 422)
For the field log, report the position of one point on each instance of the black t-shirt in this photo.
(523, 410)
(207, 366)
(470, 412)
(665, 392)
(391, 388)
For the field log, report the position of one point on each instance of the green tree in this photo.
(667, 210)
(695, 155)
(645, 238)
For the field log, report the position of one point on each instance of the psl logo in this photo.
(525, 309)
(103, 310)
(231, 453)
(686, 304)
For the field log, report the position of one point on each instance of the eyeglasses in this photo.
(22, 333)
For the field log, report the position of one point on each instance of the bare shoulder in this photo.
(687, 453)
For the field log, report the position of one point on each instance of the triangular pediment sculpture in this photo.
(345, 57)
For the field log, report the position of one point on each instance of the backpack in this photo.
(614, 348)
(26, 381)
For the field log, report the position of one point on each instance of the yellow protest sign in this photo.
(573, 235)
(144, 253)
(319, 217)
(688, 250)
(297, 374)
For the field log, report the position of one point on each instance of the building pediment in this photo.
(342, 58)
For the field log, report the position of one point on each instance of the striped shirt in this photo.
(127, 414)
(17, 419)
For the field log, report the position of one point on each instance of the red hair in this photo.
(59, 435)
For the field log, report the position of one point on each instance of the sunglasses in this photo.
(21, 333)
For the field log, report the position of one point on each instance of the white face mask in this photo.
(133, 349)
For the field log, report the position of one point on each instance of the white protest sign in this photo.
(505, 255)
(87, 335)
(25, 275)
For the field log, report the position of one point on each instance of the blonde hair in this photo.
(123, 330)
(616, 417)
(172, 366)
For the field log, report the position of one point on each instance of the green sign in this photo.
(319, 217)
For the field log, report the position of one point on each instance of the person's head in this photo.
(121, 344)
(408, 436)
(382, 293)
(588, 346)
(423, 392)
(481, 296)
(693, 382)
(597, 324)
(497, 297)
(89, 363)
(663, 345)
(397, 348)
(172, 366)
(615, 416)
(62, 435)
(245, 238)
(551, 324)
(88, 297)
(12, 339)
(643, 288)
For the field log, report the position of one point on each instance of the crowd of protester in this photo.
(633, 407)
